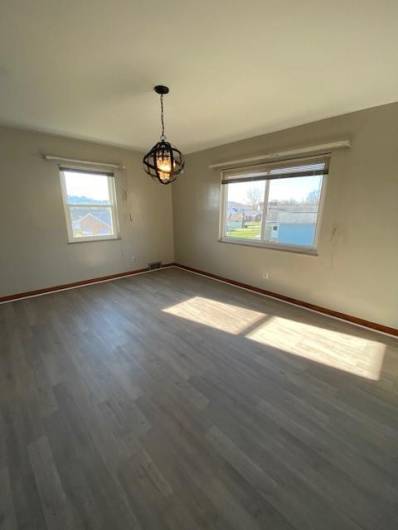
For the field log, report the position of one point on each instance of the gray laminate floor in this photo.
(171, 401)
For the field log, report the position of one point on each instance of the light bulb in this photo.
(164, 164)
(164, 168)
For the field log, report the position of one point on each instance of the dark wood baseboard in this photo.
(330, 312)
(82, 283)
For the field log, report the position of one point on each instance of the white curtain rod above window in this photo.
(84, 162)
(280, 155)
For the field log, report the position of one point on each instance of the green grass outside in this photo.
(252, 231)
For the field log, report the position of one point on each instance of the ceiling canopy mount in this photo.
(161, 89)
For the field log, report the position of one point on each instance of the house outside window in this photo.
(90, 204)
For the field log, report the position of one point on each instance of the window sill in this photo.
(93, 239)
(269, 246)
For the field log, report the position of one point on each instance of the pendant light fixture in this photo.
(163, 161)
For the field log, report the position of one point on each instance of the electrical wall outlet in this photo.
(266, 275)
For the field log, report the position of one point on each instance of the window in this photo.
(90, 204)
(274, 205)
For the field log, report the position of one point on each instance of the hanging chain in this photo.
(162, 137)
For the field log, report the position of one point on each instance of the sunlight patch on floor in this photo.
(218, 315)
(356, 355)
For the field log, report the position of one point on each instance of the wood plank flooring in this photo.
(169, 401)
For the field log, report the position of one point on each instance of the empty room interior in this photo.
(198, 265)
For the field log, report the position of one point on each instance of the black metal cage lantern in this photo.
(163, 161)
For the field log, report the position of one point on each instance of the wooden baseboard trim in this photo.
(73, 285)
(319, 309)
(312, 307)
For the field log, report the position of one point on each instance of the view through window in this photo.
(278, 210)
(90, 206)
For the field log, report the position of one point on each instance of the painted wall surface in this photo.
(35, 252)
(356, 269)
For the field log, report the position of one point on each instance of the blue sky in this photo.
(87, 185)
(282, 189)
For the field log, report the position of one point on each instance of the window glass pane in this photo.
(91, 222)
(292, 211)
(86, 188)
(244, 210)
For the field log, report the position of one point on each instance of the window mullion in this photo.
(224, 206)
(71, 205)
(265, 209)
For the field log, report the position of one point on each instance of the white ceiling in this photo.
(236, 69)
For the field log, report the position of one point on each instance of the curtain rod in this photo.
(85, 162)
(320, 148)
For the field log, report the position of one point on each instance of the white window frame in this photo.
(112, 206)
(262, 243)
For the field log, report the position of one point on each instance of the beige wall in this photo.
(356, 271)
(34, 248)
